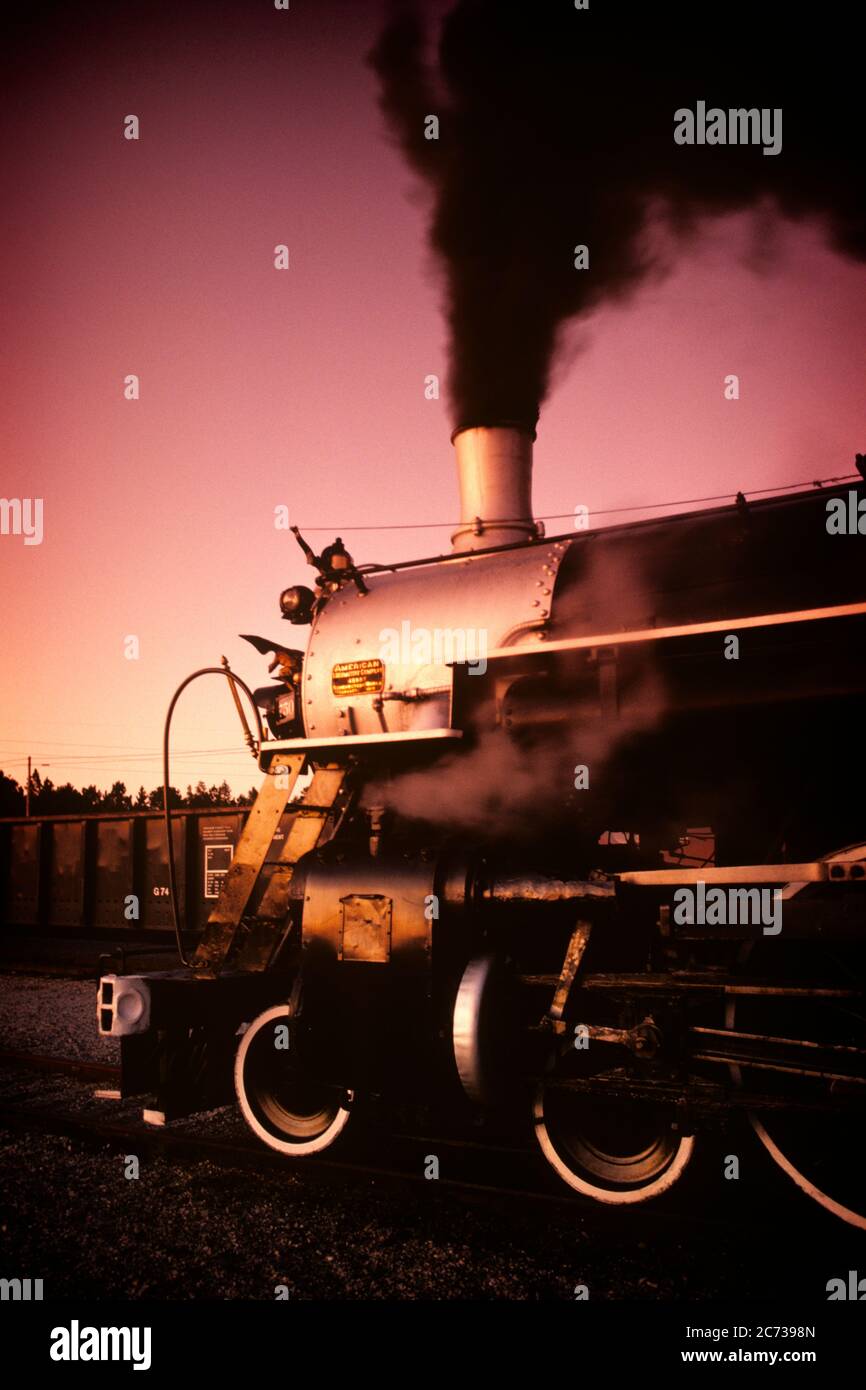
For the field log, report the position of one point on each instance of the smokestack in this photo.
(494, 466)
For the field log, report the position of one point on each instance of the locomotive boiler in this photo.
(582, 845)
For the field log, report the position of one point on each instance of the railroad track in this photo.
(65, 1066)
(464, 1162)
(176, 1144)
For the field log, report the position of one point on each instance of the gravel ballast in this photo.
(193, 1228)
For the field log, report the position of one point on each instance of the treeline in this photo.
(48, 800)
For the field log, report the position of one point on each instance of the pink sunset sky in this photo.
(305, 387)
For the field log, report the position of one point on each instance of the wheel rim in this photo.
(608, 1153)
(283, 1106)
(805, 1184)
(809, 1135)
(484, 1028)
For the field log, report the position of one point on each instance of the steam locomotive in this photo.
(582, 844)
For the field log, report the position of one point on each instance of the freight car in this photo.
(489, 893)
(105, 874)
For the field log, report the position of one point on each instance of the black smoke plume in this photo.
(556, 129)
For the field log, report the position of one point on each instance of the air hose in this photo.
(234, 681)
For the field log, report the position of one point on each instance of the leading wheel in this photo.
(287, 1109)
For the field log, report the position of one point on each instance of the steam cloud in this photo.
(494, 789)
(557, 129)
(499, 788)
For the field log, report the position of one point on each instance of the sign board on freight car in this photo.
(358, 677)
(217, 859)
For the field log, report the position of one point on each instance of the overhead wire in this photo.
(603, 511)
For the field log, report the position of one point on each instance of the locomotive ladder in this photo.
(249, 941)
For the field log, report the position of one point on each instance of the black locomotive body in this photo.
(583, 843)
